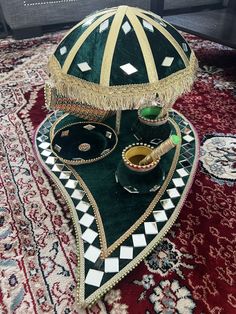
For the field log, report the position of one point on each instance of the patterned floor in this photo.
(191, 271)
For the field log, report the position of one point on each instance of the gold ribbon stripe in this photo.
(168, 36)
(110, 46)
(144, 44)
(84, 21)
(81, 40)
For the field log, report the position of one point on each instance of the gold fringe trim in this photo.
(122, 97)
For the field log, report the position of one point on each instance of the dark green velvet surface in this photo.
(112, 199)
(176, 34)
(144, 132)
(91, 52)
(128, 50)
(69, 42)
(162, 48)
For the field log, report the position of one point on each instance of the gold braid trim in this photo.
(123, 96)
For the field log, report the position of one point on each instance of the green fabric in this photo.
(177, 36)
(148, 133)
(128, 50)
(91, 52)
(162, 48)
(111, 198)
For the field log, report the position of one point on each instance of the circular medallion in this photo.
(84, 147)
(218, 157)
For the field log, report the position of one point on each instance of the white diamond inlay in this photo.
(78, 194)
(167, 61)
(57, 168)
(71, 184)
(112, 265)
(126, 27)
(51, 160)
(128, 68)
(63, 50)
(167, 204)
(126, 252)
(89, 127)
(83, 206)
(148, 26)
(94, 277)
(173, 193)
(65, 175)
(103, 26)
(178, 182)
(182, 172)
(89, 235)
(92, 254)
(86, 220)
(84, 67)
(46, 152)
(185, 47)
(44, 145)
(150, 228)
(160, 215)
(188, 138)
(139, 240)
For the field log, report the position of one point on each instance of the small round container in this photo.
(134, 153)
(149, 116)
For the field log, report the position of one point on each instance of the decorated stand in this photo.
(124, 192)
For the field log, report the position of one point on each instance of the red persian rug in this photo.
(192, 270)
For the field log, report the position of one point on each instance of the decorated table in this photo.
(116, 225)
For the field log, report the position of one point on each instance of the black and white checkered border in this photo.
(95, 277)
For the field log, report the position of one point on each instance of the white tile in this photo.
(57, 168)
(71, 184)
(51, 160)
(160, 215)
(178, 182)
(148, 26)
(126, 27)
(103, 26)
(126, 252)
(65, 175)
(167, 61)
(86, 220)
(167, 204)
(63, 50)
(84, 66)
(182, 172)
(139, 240)
(188, 138)
(89, 235)
(128, 68)
(44, 145)
(94, 277)
(83, 206)
(78, 194)
(150, 228)
(173, 193)
(92, 254)
(112, 265)
(46, 152)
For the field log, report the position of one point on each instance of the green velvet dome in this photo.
(116, 57)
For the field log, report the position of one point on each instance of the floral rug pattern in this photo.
(191, 271)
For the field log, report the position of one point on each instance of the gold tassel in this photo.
(124, 96)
